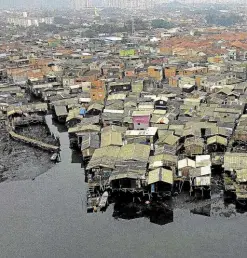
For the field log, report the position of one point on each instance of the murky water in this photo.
(47, 218)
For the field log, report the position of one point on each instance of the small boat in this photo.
(103, 200)
(54, 157)
(92, 202)
(89, 204)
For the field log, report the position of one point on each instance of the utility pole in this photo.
(133, 26)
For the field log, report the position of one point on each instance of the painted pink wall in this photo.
(141, 119)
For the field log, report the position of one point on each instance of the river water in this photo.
(47, 218)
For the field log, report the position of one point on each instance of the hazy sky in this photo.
(31, 3)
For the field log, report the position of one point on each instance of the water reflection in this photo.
(161, 216)
(157, 213)
(60, 127)
(76, 157)
(127, 211)
(54, 127)
(204, 211)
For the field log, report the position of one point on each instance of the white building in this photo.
(29, 21)
(131, 4)
(79, 4)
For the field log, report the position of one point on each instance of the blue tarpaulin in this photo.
(82, 111)
(152, 188)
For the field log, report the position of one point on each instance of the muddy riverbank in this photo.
(39, 132)
(19, 161)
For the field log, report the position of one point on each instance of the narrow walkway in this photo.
(34, 142)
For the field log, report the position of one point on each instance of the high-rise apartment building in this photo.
(79, 4)
(130, 4)
(123, 4)
(30, 21)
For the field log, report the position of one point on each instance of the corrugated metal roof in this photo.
(127, 172)
(84, 128)
(159, 119)
(114, 128)
(203, 181)
(88, 152)
(111, 138)
(74, 113)
(217, 139)
(201, 171)
(27, 108)
(14, 111)
(150, 131)
(96, 106)
(171, 139)
(134, 151)
(119, 96)
(161, 159)
(104, 157)
(228, 110)
(235, 161)
(176, 127)
(191, 131)
(142, 113)
(194, 141)
(90, 141)
(159, 112)
(203, 160)
(65, 102)
(130, 103)
(241, 175)
(186, 163)
(61, 110)
(160, 175)
(199, 125)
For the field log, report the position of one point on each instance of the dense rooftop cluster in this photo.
(149, 114)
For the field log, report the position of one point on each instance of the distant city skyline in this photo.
(62, 3)
(27, 4)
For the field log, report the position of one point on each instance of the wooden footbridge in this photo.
(33, 142)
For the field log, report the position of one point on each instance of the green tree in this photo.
(160, 23)
(223, 20)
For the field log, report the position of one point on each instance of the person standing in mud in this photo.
(233, 175)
